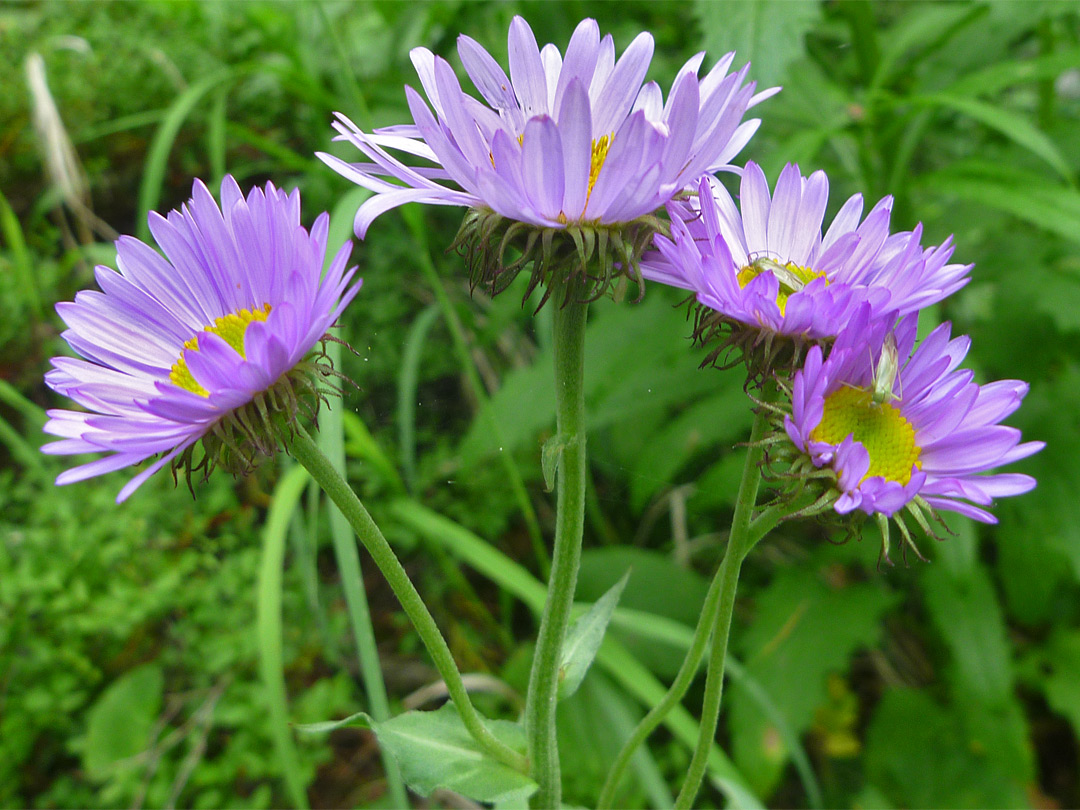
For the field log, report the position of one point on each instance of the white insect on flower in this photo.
(790, 282)
(885, 373)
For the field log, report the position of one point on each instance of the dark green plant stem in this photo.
(671, 698)
(755, 531)
(738, 546)
(331, 440)
(569, 348)
(303, 449)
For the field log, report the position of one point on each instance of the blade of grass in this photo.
(407, 383)
(615, 706)
(1001, 75)
(215, 136)
(331, 439)
(13, 398)
(413, 219)
(20, 259)
(632, 675)
(289, 159)
(157, 157)
(121, 124)
(1033, 199)
(1015, 127)
(919, 32)
(360, 113)
(21, 450)
(269, 598)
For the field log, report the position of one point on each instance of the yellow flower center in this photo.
(596, 162)
(888, 437)
(792, 277)
(231, 329)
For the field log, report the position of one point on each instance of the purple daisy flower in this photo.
(562, 141)
(176, 348)
(907, 429)
(770, 268)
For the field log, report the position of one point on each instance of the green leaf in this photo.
(584, 638)
(638, 365)
(550, 456)
(434, 750)
(1016, 128)
(919, 30)
(657, 586)
(721, 418)
(920, 755)
(358, 720)
(804, 631)
(1054, 669)
(592, 727)
(1000, 75)
(1023, 194)
(120, 722)
(767, 33)
(966, 612)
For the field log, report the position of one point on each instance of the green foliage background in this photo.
(128, 655)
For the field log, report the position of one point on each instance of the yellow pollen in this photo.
(600, 150)
(888, 437)
(802, 275)
(596, 163)
(231, 329)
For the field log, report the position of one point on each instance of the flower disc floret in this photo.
(888, 437)
(209, 344)
(931, 446)
(767, 271)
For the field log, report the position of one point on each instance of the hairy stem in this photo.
(569, 346)
(304, 450)
(739, 544)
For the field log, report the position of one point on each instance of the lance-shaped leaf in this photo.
(584, 638)
(434, 750)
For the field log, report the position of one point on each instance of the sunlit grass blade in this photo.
(285, 499)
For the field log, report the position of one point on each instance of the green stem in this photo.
(332, 440)
(756, 530)
(569, 348)
(671, 699)
(739, 544)
(303, 449)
